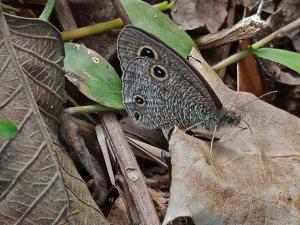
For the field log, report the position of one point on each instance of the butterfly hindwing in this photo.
(163, 102)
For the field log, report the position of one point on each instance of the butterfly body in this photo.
(161, 89)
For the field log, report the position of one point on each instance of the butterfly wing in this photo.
(183, 99)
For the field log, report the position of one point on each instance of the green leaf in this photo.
(93, 75)
(284, 57)
(8, 129)
(155, 22)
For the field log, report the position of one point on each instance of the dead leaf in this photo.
(251, 174)
(295, 37)
(267, 7)
(248, 76)
(29, 174)
(193, 14)
(80, 154)
(118, 213)
(32, 94)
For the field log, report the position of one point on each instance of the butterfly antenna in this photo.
(189, 128)
(253, 100)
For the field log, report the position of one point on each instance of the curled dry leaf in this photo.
(193, 14)
(248, 77)
(250, 176)
(36, 188)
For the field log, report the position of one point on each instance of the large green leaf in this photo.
(8, 129)
(93, 75)
(153, 21)
(284, 57)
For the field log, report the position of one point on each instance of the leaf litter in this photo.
(249, 176)
(32, 95)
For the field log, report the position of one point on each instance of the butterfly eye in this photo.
(139, 100)
(159, 72)
(137, 115)
(147, 51)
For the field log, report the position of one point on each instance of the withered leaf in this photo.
(36, 187)
(193, 14)
(250, 176)
(32, 189)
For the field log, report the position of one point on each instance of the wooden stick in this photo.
(129, 168)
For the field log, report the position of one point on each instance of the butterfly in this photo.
(161, 89)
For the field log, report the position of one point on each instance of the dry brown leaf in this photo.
(118, 213)
(83, 209)
(32, 94)
(267, 7)
(248, 76)
(193, 14)
(251, 176)
(30, 179)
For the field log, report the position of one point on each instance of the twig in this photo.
(129, 168)
(87, 109)
(73, 101)
(72, 34)
(246, 28)
(146, 154)
(72, 137)
(236, 57)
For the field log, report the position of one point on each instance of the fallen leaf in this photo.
(29, 174)
(37, 188)
(193, 14)
(248, 76)
(268, 5)
(118, 213)
(250, 176)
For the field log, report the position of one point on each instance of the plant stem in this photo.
(88, 116)
(240, 55)
(101, 27)
(287, 28)
(90, 30)
(87, 109)
(47, 10)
